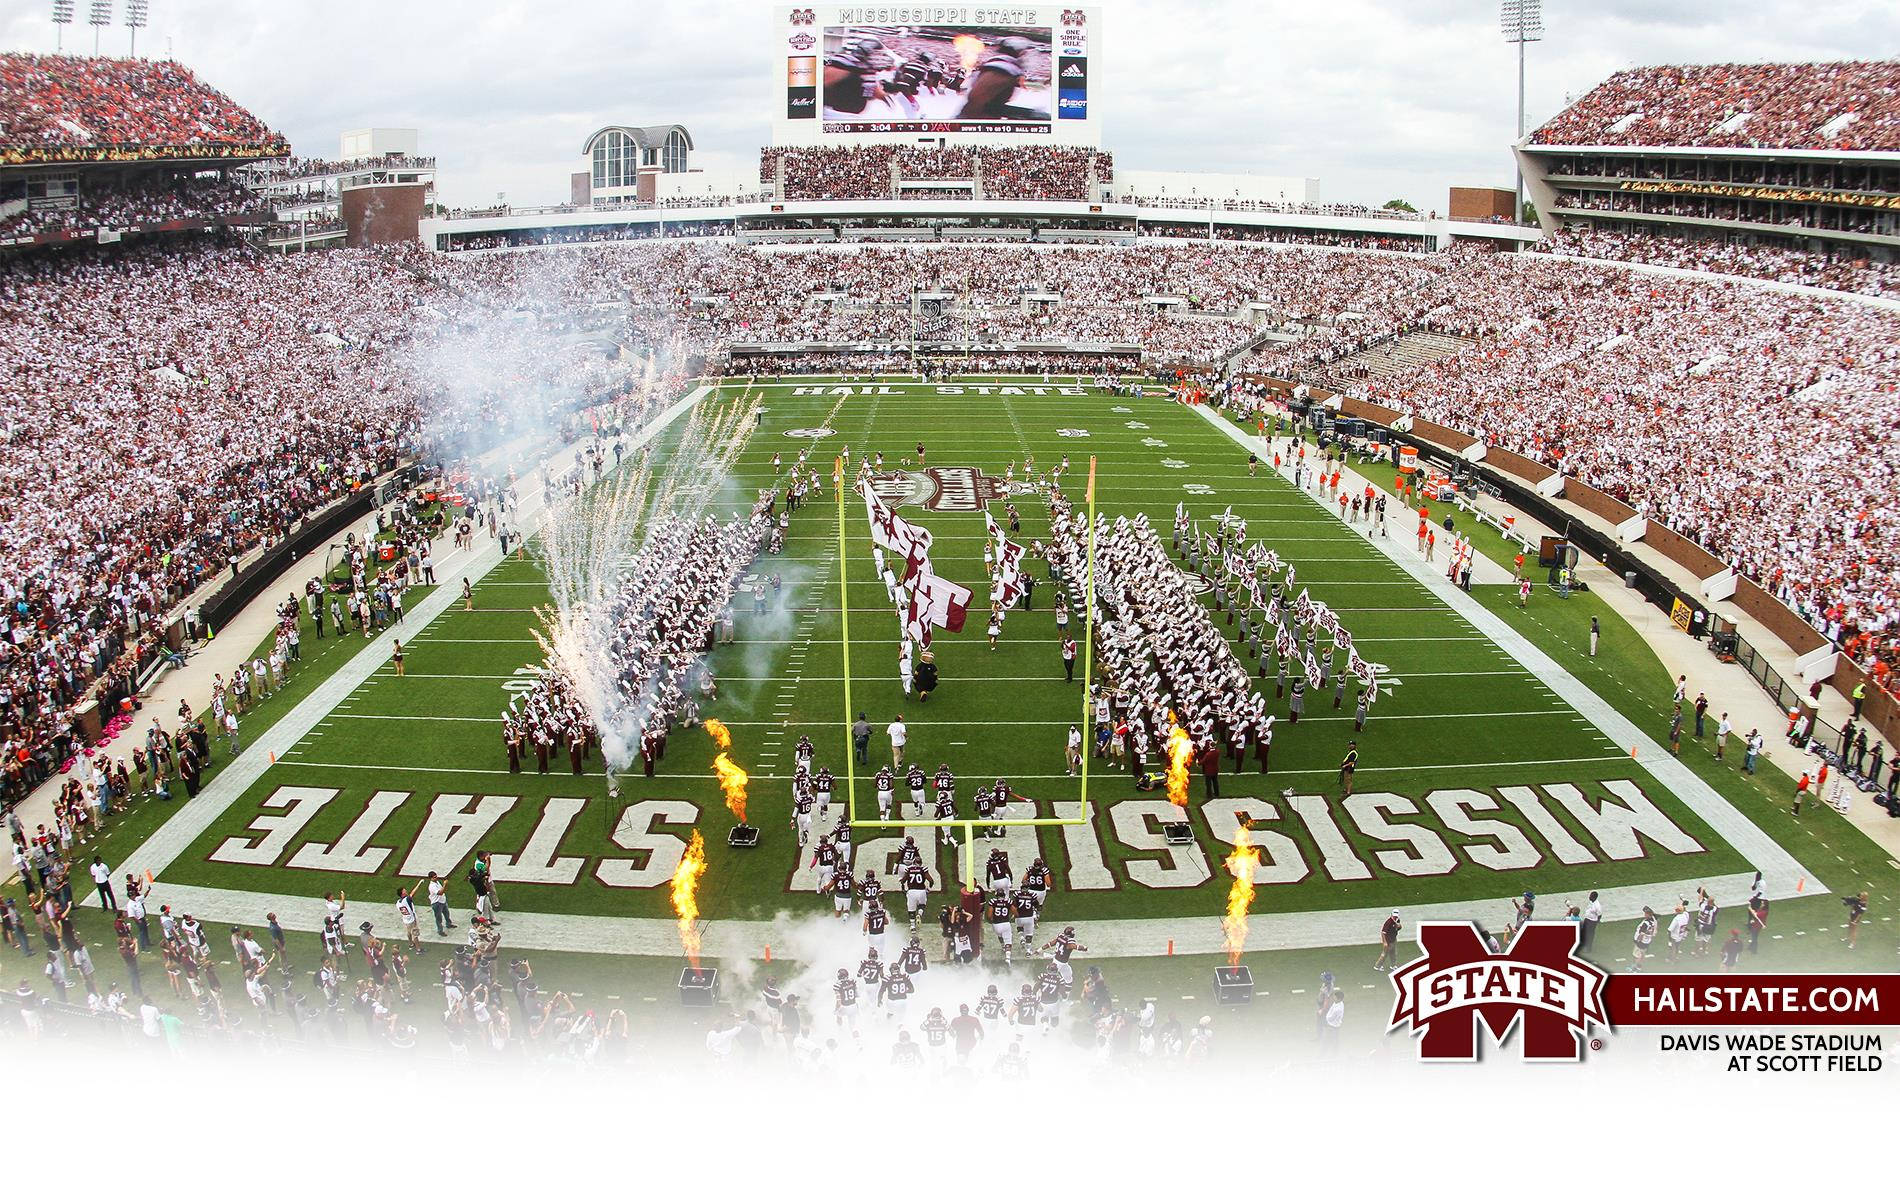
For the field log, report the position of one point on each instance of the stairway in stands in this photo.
(1393, 356)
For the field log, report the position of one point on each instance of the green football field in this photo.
(1478, 781)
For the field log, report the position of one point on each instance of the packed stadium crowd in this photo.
(1607, 375)
(62, 108)
(1780, 264)
(277, 170)
(1302, 208)
(1827, 105)
(134, 206)
(869, 172)
(1592, 369)
(172, 408)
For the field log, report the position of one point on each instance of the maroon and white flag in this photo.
(1009, 573)
(915, 618)
(892, 532)
(943, 603)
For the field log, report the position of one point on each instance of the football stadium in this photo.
(938, 591)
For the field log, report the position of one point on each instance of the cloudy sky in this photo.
(1376, 98)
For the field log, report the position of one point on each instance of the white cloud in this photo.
(1378, 98)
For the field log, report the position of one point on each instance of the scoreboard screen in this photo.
(857, 73)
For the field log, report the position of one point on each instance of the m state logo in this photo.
(938, 489)
(803, 16)
(1074, 17)
(1539, 981)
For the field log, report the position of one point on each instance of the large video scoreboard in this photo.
(906, 73)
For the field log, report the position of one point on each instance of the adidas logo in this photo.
(1072, 71)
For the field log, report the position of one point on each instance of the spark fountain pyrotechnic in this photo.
(599, 537)
(696, 982)
(732, 781)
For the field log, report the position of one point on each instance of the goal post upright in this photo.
(844, 618)
(1088, 646)
(967, 826)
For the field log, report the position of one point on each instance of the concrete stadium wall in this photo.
(1680, 550)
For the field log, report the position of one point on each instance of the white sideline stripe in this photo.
(1432, 716)
(1514, 673)
(201, 812)
(1039, 644)
(1780, 870)
(1149, 937)
(708, 775)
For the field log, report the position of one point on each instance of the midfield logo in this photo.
(1539, 981)
(935, 489)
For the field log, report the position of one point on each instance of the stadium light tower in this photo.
(135, 20)
(1523, 23)
(62, 17)
(100, 17)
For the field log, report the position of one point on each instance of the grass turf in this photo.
(1466, 716)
